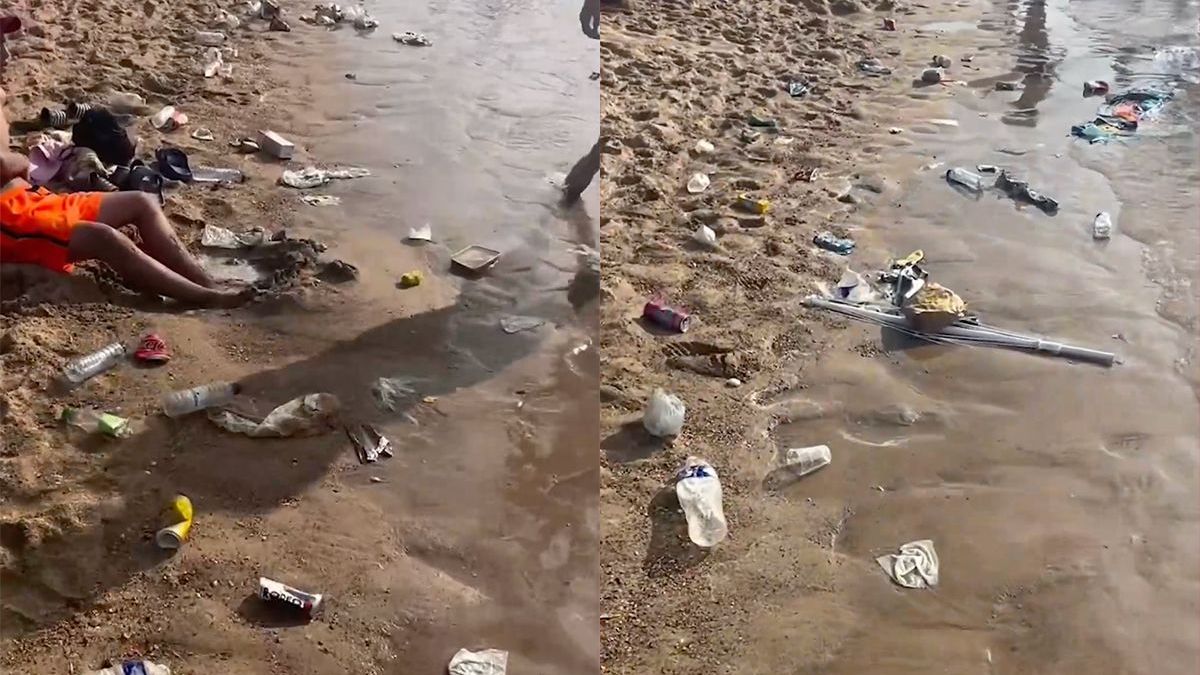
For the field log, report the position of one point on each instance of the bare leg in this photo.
(98, 241)
(158, 238)
(581, 174)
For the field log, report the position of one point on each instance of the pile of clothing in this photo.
(1120, 115)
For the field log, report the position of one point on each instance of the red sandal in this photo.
(152, 350)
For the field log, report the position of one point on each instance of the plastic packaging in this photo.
(800, 462)
(84, 367)
(698, 183)
(92, 421)
(699, 492)
(307, 415)
(664, 414)
(482, 662)
(1102, 226)
(180, 403)
(137, 667)
(968, 179)
(705, 236)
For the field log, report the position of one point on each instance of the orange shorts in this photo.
(36, 225)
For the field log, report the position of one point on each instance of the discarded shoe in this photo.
(152, 349)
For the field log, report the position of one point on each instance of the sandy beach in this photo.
(1033, 477)
(481, 531)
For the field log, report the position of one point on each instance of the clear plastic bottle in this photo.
(1102, 226)
(968, 179)
(133, 667)
(699, 492)
(188, 401)
(84, 367)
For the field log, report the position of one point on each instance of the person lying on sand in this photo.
(55, 230)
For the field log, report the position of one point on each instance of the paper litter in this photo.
(482, 662)
(422, 233)
(369, 444)
(320, 200)
(915, 566)
(219, 237)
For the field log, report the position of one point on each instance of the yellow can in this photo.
(182, 514)
(759, 206)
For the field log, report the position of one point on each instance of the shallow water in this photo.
(1062, 498)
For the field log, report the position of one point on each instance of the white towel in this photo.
(915, 566)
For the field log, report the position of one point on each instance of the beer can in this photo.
(284, 595)
(671, 318)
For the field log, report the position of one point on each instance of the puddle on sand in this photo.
(1046, 522)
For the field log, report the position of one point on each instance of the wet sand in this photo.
(482, 530)
(1061, 497)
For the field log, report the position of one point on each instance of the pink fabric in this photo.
(46, 159)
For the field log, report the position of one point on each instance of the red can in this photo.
(658, 313)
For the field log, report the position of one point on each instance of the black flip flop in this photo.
(173, 164)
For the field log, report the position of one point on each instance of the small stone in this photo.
(733, 382)
(931, 75)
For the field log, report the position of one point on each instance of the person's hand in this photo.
(589, 18)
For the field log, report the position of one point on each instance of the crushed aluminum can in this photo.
(660, 314)
(282, 594)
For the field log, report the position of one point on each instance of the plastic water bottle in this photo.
(93, 364)
(137, 667)
(188, 401)
(699, 492)
(1102, 226)
(968, 179)
(803, 461)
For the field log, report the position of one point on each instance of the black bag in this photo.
(99, 130)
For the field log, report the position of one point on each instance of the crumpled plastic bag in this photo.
(482, 662)
(854, 287)
(915, 566)
(307, 415)
(664, 414)
(219, 237)
(311, 177)
(389, 392)
(934, 307)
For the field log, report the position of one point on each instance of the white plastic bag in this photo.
(482, 662)
(307, 415)
(664, 414)
(705, 236)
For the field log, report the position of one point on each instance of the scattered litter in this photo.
(698, 183)
(369, 444)
(188, 401)
(282, 594)
(853, 287)
(209, 174)
(482, 662)
(1019, 190)
(182, 515)
(931, 75)
(798, 89)
(965, 332)
(311, 177)
(390, 392)
(895, 130)
(664, 414)
(660, 314)
(168, 119)
(752, 205)
(1102, 226)
(411, 279)
(215, 236)
(941, 61)
(517, 324)
(797, 463)
(889, 24)
(987, 168)
(152, 350)
(915, 566)
(203, 134)
(360, 19)
(942, 122)
(133, 667)
(733, 382)
(1095, 88)
(933, 307)
(1120, 114)
(275, 145)
(1007, 86)
(837, 245)
(873, 67)
(699, 491)
(475, 258)
(92, 421)
(705, 236)
(85, 367)
(965, 178)
(412, 39)
(308, 415)
(422, 233)
(704, 147)
(245, 145)
(214, 64)
(321, 200)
